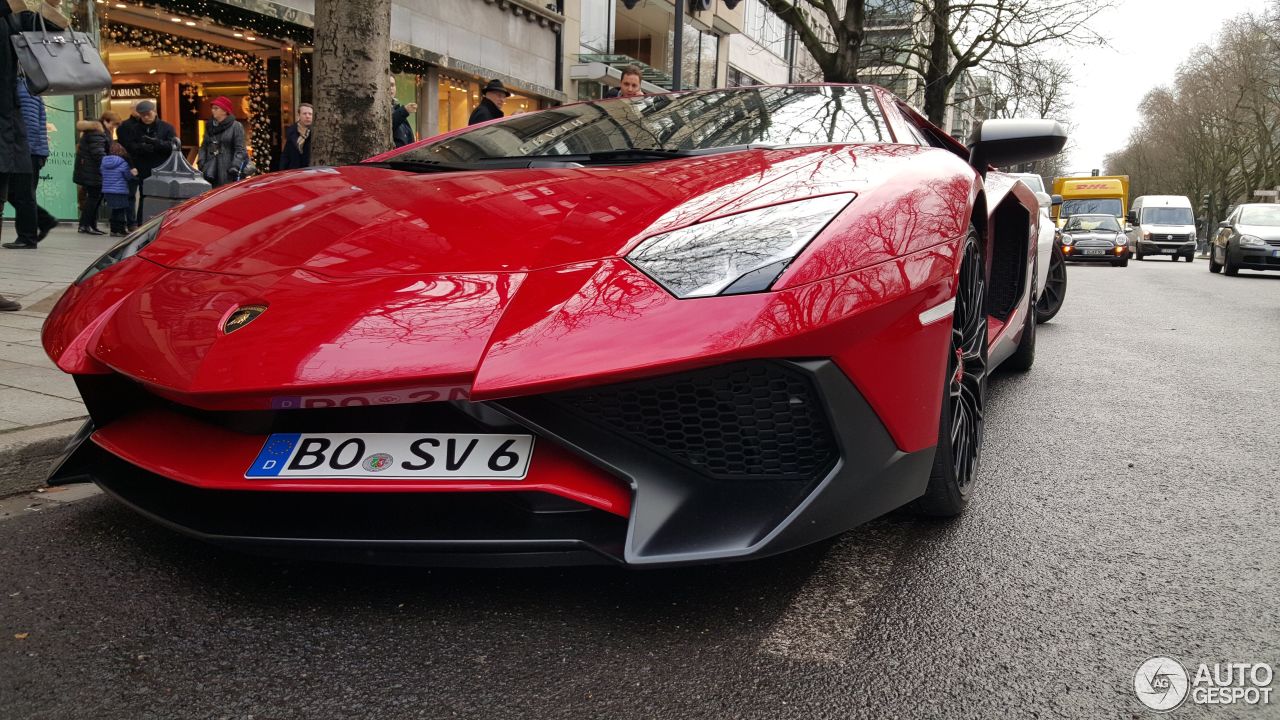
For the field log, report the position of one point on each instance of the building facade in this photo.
(183, 53)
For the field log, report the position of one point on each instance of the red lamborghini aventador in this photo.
(677, 328)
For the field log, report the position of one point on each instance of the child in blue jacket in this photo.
(116, 174)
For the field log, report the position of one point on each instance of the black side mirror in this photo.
(1056, 200)
(1007, 142)
(1132, 217)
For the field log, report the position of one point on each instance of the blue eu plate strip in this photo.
(274, 454)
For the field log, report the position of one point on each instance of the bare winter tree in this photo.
(351, 91)
(1216, 132)
(951, 37)
(1026, 84)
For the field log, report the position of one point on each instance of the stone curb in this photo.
(27, 455)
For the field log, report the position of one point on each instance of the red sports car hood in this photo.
(379, 279)
(362, 221)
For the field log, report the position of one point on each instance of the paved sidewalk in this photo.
(39, 405)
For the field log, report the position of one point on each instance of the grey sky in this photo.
(1149, 39)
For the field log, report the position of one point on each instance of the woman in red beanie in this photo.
(222, 157)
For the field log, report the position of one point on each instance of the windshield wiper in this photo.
(421, 165)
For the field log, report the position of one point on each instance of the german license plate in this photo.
(1275, 253)
(394, 456)
(1168, 252)
(1094, 251)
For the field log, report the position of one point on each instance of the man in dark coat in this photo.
(149, 141)
(24, 196)
(296, 152)
(15, 153)
(490, 107)
(401, 130)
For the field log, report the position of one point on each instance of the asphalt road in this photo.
(1128, 508)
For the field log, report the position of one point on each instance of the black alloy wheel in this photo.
(1055, 287)
(955, 461)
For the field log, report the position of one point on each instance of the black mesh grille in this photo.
(745, 421)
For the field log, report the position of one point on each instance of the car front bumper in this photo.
(1150, 247)
(650, 489)
(1078, 254)
(1253, 257)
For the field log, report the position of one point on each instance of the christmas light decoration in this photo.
(157, 43)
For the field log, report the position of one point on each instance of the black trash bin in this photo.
(170, 184)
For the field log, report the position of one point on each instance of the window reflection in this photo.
(692, 121)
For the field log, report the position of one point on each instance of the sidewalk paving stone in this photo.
(39, 404)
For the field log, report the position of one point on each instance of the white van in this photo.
(1163, 225)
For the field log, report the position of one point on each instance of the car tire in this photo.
(964, 390)
(1140, 256)
(1228, 267)
(1214, 266)
(1055, 287)
(1190, 258)
(1123, 262)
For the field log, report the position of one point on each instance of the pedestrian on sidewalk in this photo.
(116, 175)
(149, 142)
(297, 141)
(222, 156)
(490, 107)
(37, 124)
(94, 144)
(15, 153)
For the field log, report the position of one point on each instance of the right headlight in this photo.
(1251, 240)
(125, 249)
(735, 254)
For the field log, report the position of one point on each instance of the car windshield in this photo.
(1035, 182)
(658, 126)
(1167, 216)
(1085, 223)
(1260, 215)
(1084, 206)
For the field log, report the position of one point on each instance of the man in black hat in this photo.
(490, 107)
(149, 141)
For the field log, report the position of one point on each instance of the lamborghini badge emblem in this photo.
(243, 316)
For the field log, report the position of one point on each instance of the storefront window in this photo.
(597, 24)
(457, 98)
(698, 61)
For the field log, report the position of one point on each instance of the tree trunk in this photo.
(350, 81)
(937, 70)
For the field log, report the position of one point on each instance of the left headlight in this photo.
(125, 249)
(1121, 240)
(1251, 240)
(741, 253)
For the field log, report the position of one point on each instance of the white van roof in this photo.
(1163, 201)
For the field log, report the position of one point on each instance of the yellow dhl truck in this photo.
(1107, 194)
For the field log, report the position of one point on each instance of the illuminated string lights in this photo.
(259, 122)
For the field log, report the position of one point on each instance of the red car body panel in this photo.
(386, 287)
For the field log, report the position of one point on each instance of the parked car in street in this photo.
(1051, 273)
(1093, 238)
(680, 328)
(1249, 239)
(1162, 225)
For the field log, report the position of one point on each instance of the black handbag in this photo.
(58, 62)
